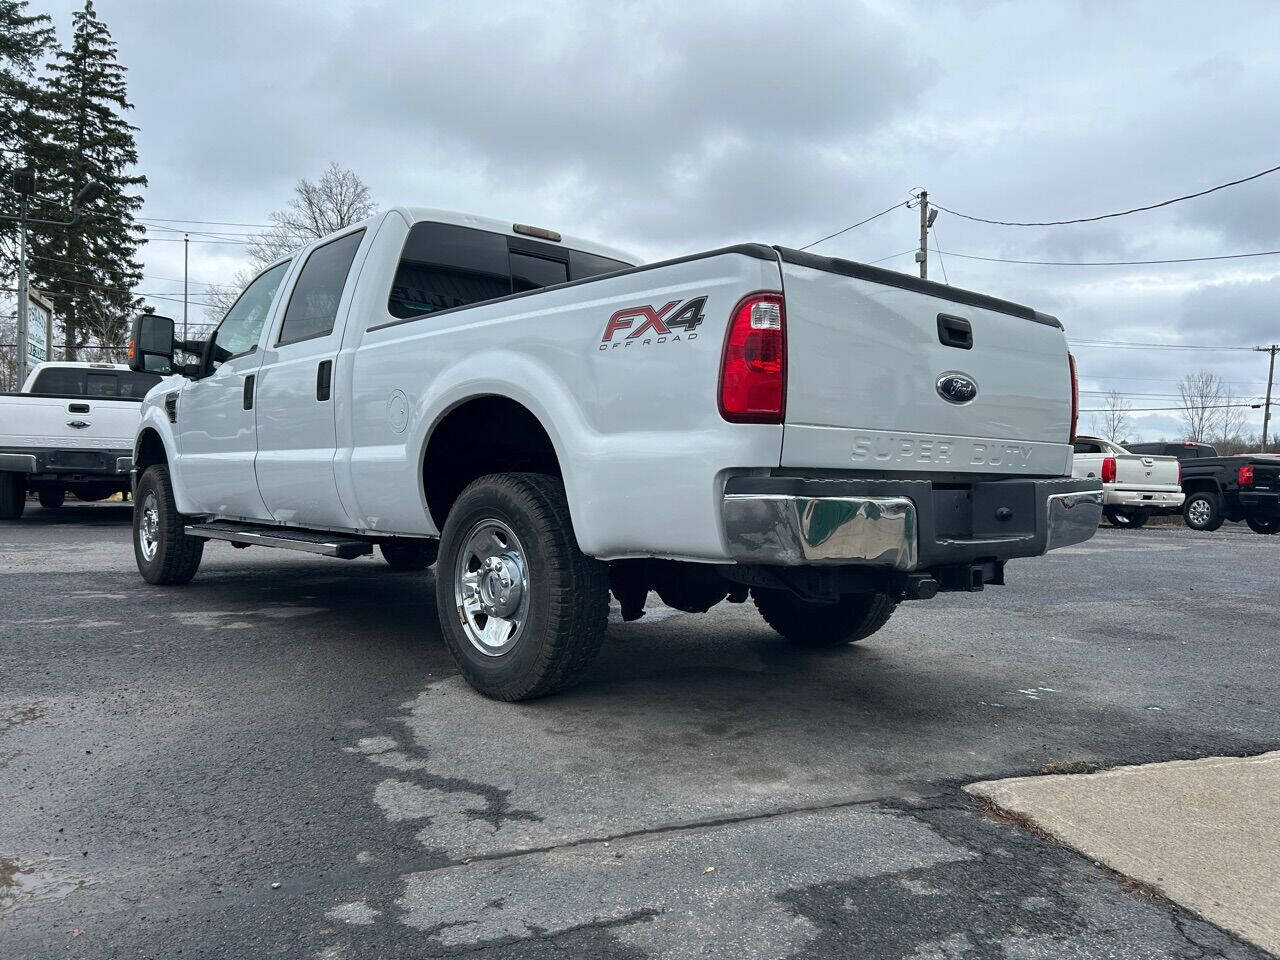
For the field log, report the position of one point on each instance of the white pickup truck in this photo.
(71, 429)
(1135, 486)
(557, 421)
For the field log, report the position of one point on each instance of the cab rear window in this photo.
(74, 382)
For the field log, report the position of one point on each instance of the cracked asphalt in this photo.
(280, 761)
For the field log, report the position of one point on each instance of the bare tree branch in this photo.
(1202, 401)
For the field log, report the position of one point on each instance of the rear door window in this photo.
(313, 305)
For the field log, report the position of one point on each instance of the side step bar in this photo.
(310, 541)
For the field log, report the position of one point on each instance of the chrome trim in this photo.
(124, 464)
(17, 462)
(794, 530)
(1073, 518)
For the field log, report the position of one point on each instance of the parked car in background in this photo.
(70, 430)
(559, 422)
(1183, 450)
(1135, 486)
(1244, 487)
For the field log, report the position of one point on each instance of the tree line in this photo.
(63, 109)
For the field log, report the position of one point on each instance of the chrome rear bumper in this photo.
(903, 525)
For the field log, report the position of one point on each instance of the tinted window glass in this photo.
(443, 266)
(313, 305)
(242, 326)
(95, 383)
(66, 380)
(1085, 447)
(583, 265)
(530, 273)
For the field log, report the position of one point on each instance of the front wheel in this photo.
(522, 609)
(1263, 524)
(811, 623)
(13, 495)
(1127, 517)
(1203, 511)
(409, 554)
(164, 552)
(52, 497)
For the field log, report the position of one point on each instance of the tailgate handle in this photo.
(77, 408)
(248, 392)
(955, 332)
(324, 375)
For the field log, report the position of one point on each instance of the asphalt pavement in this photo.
(279, 760)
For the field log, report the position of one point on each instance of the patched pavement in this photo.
(280, 760)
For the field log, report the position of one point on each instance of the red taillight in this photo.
(753, 375)
(1109, 470)
(1245, 475)
(1075, 397)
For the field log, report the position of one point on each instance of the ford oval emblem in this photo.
(956, 387)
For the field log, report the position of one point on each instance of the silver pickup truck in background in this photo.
(70, 430)
(1135, 486)
(556, 422)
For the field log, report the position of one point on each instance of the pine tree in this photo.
(25, 40)
(91, 268)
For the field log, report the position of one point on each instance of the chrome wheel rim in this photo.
(149, 528)
(491, 587)
(1198, 512)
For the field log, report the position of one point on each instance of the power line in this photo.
(149, 276)
(1138, 344)
(1194, 406)
(1108, 216)
(854, 226)
(942, 263)
(1112, 263)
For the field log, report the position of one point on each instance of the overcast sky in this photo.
(665, 128)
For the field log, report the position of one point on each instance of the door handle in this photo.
(324, 376)
(955, 332)
(77, 408)
(248, 392)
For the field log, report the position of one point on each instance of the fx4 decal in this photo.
(648, 324)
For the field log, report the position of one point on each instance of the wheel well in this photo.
(150, 451)
(481, 436)
(1199, 486)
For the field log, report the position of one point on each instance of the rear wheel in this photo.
(409, 554)
(522, 609)
(1203, 511)
(1131, 517)
(854, 617)
(1263, 524)
(13, 495)
(164, 552)
(52, 497)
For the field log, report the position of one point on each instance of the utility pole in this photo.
(922, 255)
(186, 245)
(24, 309)
(1271, 372)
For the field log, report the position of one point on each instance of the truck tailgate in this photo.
(67, 423)
(868, 351)
(1141, 472)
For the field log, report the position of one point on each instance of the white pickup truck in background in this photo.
(1135, 486)
(558, 422)
(71, 429)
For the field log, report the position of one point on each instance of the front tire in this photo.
(52, 497)
(1263, 524)
(1127, 517)
(810, 623)
(522, 609)
(13, 495)
(1203, 511)
(165, 554)
(409, 554)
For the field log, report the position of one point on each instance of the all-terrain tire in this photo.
(567, 591)
(1263, 524)
(13, 495)
(1127, 518)
(854, 617)
(175, 556)
(52, 497)
(1203, 511)
(408, 554)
